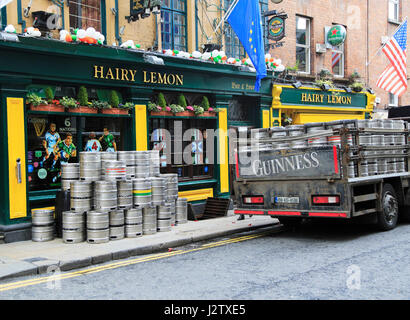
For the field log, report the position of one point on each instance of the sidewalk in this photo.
(29, 258)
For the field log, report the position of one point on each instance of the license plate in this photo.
(286, 199)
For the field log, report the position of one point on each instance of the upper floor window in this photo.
(393, 100)
(233, 47)
(85, 14)
(394, 10)
(173, 24)
(303, 44)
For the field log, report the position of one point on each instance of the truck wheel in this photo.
(387, 217)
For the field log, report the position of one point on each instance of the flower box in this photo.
(48, 108)
(208, 114)
(114, 111)
(82, 109)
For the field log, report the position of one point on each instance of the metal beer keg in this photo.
(149, 220)
(158, 190)
(124, 194)
(316, 128)
(74, 227)
(181, 215)
(90, 166)
(81, 196)
(69, 172)
(129, 159)
(42, 225)
(154, 163)
(117, 230)
(142, 192)
(142, 164)
(133, 222)
(105, 195)
(98, 230)
(115, 170)
(106, 157)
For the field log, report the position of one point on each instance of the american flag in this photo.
(394, 77)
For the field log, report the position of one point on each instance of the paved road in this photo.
(315, 261)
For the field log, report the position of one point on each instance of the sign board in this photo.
(336, 35)
(315, 162)
(276, 28)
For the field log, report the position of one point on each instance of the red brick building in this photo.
(368, 23)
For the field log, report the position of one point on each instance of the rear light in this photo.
(253, 200)
(330, 200)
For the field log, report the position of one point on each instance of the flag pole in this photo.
(227, 13)
(377, 52)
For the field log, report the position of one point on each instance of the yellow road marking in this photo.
(114, 265)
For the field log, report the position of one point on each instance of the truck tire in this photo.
(388, 216)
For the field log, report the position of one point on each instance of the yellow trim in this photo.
(265, 118)
(223, 151)
(323, 108)
(16, 149)
(194, 195)
(141, 128)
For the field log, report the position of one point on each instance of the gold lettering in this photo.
(328, 99)
(338, 100)
(98, 72)
(124, 74)
(173, 79)
(180, 80)
(133, 72)
(304, 95)
(321, 98)
(349, 100)
(109, 74)
(344, 100)
(162, 78)
(153, 77)
(116, 74)
(145, 77)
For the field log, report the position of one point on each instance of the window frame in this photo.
(173, 12)
(79, 17)
(394, 98)
(396, 12)
(342, 60)
(305, 46)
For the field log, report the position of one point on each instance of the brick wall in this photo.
(365, 26)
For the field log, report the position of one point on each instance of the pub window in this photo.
(338, 58)
(199, 165)
(173, 24)
(85, 14)
(54, 138)
(394, 10)
(303, 44)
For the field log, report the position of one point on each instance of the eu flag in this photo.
(245, 20)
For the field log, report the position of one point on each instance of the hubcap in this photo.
(390, 207)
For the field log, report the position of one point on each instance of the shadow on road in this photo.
(334, 230)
